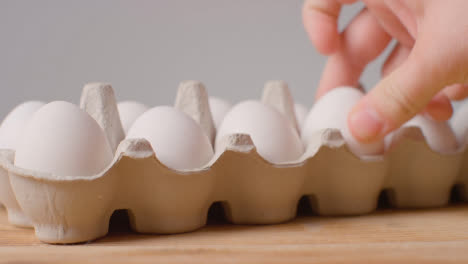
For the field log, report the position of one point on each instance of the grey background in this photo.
(50, 48)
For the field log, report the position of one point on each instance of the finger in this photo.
(439, 108)
(403, 93)
(396, 19)
(456, 92)
(320, 19)
(362, 41)
(398, 55)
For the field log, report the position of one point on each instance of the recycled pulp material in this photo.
(65, 209)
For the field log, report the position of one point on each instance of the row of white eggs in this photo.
(259, 120)
(62, 139)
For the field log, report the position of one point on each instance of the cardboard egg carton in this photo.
(65, 209)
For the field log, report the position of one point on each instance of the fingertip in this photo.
(322, 30)
(365, 123)
(439, 108)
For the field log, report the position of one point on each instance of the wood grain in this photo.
(387, 236)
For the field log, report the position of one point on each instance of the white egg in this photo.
(178, 141)
(129, 111)
(301, 114)
(459, 123)
(13, 125)
(219, 109)
(62, 139)
(331, 111)
(439, 135)
(272, 134)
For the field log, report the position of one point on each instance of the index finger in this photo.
(320, 19)
(362, 41)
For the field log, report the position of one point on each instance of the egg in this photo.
(459, 123)
(438, 135)
(13, 125)
(272, 134)
(129, 111)
(63, 140)
(178, 141)
(301, 114)
(331, 111)
(219, 109)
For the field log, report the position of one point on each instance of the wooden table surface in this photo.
(386, 236)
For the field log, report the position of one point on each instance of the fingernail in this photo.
(365, 124)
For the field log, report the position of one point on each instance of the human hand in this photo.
(427, 68)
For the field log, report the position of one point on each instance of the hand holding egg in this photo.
(331, 111)
(423, 72)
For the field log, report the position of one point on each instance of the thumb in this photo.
(404, 93)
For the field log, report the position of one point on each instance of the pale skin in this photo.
(426, 70)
